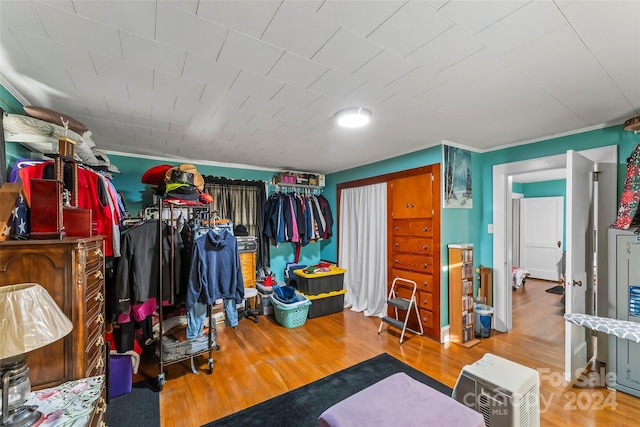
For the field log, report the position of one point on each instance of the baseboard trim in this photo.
(444, 334)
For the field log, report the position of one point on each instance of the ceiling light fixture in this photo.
(353, 117)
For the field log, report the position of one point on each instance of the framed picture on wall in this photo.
(458, 189)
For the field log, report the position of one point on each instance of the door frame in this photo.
(503, 178)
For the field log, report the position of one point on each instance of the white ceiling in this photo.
(258, 82)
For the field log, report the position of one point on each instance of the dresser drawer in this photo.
(418, 263)
(425, 300)
(424, 281)
(413, 227)
(416, 245)
(426, 318)
(94, 255)
(248, 265)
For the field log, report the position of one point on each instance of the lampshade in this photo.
(353, 117)
(29, 319)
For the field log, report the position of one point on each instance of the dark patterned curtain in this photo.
(242, 202)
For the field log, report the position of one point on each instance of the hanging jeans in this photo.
(230, 312)
(195, 320)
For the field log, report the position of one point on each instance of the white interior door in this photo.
(578, 348)
(541, 236)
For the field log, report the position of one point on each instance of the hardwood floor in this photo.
(260, 361)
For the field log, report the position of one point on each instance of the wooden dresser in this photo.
(414, 240)
(248, 264)
(72, 271)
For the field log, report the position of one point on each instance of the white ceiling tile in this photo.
(152, 54)
(169, 83)
(445, 50)
(261, 107)
(247, 17)
(79, 31)
(335, 84)
(296, 115)
(409, 28)
(415, 82)
(299, 30)
(473, 16)
(204, 38)
(618, 51)
(436, 4)
(190, 6)
(266, 123)
(146, 122)
(205, 70)
(346, 51)
(137, 17)
(361, 17)
(117, 69)
(91, 82)
(55, 55)
(522, 26)
(127, 106)
(119, 119)
(20, 15)
(604, 110)
(176, 117)
(384, 68)
(293, 128)
(480, 63)
(248, 53)
(291, 95)
(251, 84)
(154, 97)
(505, 87)
(37, 80)
(563, 50)
(296, 70)
(369, 95)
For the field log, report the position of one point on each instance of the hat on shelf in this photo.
(155, 175)
(186, 174)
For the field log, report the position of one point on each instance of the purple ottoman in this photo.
(120, 375)
(399, 400)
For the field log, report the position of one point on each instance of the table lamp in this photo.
(29, 319)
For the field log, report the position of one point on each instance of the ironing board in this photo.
(620, 328)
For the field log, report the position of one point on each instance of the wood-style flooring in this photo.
(260, 361)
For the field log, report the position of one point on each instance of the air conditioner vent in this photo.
(504, 392)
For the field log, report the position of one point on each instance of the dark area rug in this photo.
(140, 407)
(302, 407)
(558, 289)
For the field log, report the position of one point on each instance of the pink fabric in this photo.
(399, 400)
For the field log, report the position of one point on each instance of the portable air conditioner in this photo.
(505, 393)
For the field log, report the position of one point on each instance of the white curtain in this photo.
(363, 247)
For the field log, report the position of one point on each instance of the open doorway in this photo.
(537, 257)
(503, 177)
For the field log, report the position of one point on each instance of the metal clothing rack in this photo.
(197, 210)
(299, 188)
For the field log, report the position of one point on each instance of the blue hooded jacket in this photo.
(215, 269)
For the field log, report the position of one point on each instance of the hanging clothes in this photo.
(137, 275)
(629, 208)
(300, 219)
(215, 274)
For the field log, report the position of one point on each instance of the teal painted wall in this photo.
(552, 188)
(457, 225)
(613, 135)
